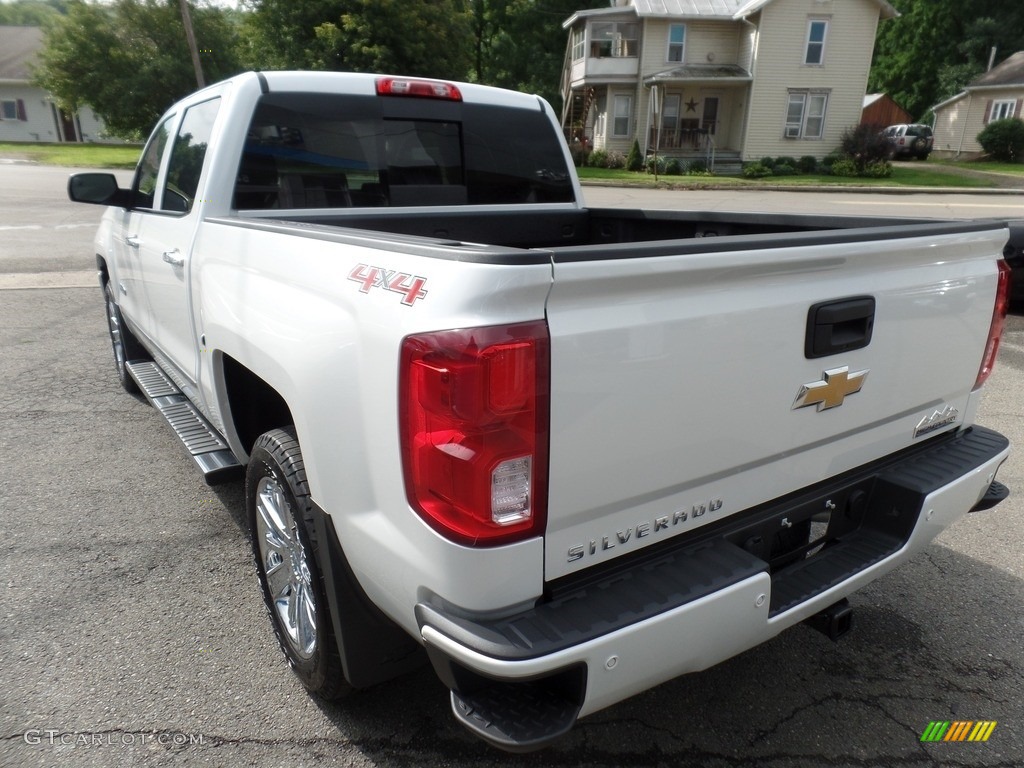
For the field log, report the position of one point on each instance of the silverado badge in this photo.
(831, 389)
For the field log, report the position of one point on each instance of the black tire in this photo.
(286, 554)
(122, 342)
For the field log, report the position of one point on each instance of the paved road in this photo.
(133, 630)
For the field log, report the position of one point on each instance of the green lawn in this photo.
(1017, 169)
(901, 177)
(75, 155)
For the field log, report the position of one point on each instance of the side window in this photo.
(144, 188)
(623, 106)
(814, 52)
(187, 156)
(676, 42)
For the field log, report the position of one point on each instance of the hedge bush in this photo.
(1004, 140)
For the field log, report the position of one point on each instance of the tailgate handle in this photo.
(839, 326)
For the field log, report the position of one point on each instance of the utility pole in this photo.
(186, 19)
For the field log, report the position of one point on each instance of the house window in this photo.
(12, 110)
(577, 44)
(676, 42)
(622, 110)
(814, 52)
(669, 114)
(1002, 109)
(805, 115)
(617, 39)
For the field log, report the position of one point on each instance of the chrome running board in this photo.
(203, 443)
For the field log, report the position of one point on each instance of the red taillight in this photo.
(474, 423)
(430, 89)
(995, 330)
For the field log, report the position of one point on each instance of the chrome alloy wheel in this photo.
(283, 558)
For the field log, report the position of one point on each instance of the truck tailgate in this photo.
(682, 391)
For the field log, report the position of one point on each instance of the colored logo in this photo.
(830, 391)
(958, 730)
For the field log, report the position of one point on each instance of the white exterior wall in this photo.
(779, 67)
(39, 124)
(723, 40)
(958, 124)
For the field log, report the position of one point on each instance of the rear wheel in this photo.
(124, 345)
(285, 550)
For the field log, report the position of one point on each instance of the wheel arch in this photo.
(254, 406)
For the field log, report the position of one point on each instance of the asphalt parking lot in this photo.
(133, 633)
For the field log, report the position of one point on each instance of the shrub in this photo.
(828, 160)
(615, 160)
(844, 166)
(1004, 140)
(598, 159)
(673, 168)
(767, 162)
(864, 145)
(697, 167)
(784, 160)
(807, 164)
(634, 161)
(655, 165)
(784, 169)
(880, 169)
(756, 170)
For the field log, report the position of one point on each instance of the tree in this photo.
(30, 13)
(935, 48)
(409, 37)
(521, 44)
(281, 34)
(131, 61)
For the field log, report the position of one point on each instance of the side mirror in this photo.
(98, 189)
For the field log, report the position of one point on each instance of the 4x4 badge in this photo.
(835, 385)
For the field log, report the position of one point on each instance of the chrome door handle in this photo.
(172, 258)
(132, 241)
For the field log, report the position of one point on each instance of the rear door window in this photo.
(322, 151)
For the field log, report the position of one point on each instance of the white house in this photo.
(27, 112)
(995, 95)
(737, 79)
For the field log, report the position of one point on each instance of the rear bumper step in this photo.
(534, 666)
(207, 448)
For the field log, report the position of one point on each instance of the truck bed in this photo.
(577, 234)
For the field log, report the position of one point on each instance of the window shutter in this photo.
(988, 111)
(21, 110)
(1019, 111)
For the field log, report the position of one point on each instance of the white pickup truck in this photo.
(570, 453)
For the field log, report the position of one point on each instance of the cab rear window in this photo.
(306, 150)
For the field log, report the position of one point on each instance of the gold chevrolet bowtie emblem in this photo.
(830, 392)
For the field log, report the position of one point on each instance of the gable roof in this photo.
(698, 9)
(18, 46)
(701, 9)
(752, 6)
(1009, 72)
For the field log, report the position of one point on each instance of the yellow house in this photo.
(996, 95)
(724, 80)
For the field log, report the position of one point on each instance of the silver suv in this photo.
(908, 139)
